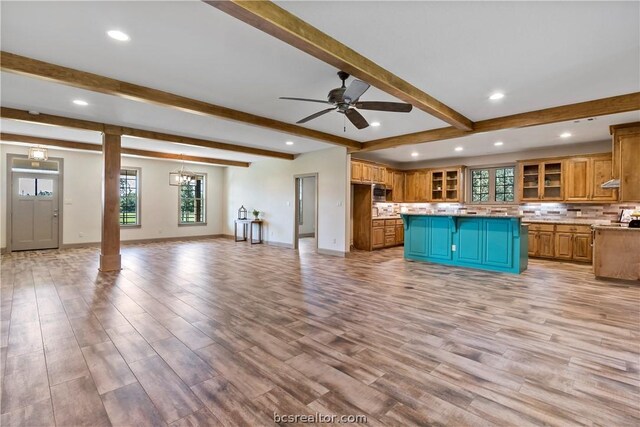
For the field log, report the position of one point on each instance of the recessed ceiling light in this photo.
(80, 102)
(565, 135)
(496, 96)
(498, 143)
(414, 154)
(289, 142)
(459, 148)
(118, 35)
(375, 124)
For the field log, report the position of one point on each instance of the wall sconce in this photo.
(38, 153)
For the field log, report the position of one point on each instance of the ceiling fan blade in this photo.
(355, 91)
(356, 118)
(316, 115)
(396, 107)
(306, 99)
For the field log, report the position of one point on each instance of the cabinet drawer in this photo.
(389, 222)
(390, 230)
(570, 228)
(399, 222)
(541, 227)
(390, 240)
(378, 222)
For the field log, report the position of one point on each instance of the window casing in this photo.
(492, 185)
(130, 197)
(192, 201)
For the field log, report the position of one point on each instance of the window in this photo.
(41, 187)
(493, 185)
(192, 201)
(129, 197)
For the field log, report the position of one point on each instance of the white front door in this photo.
(34, 211)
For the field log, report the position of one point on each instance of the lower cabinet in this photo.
(560, 241)
(386, 233)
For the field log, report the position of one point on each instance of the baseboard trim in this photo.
(306, 235)
(280, 244)
(332, 252)
(3, 250)
(139, 241)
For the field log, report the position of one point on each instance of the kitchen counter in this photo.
(465, 215)
(570, 221)
(617, 227)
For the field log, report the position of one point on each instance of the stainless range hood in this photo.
(612, 183)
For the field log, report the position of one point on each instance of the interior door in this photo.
(34, 211)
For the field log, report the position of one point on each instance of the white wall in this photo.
(308, 225)
(269, 186)
(81, 207)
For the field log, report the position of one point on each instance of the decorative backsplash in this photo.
(548, 211)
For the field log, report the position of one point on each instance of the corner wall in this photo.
(82, 199)
(269, 186)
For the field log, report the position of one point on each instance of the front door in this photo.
(34, 211)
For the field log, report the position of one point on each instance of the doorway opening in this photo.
(306, 213)
(34, 217)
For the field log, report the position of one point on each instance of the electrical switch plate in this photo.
(453, 248)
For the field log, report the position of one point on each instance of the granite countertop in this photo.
(466, 215)
(387, 217)
(622, 227)
(570, 221)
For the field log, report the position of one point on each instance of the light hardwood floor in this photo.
(215, 332)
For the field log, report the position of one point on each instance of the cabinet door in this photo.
(356, 171)
(564, 245)
(439, 245)
(410, 184)
(629, 170)
(582, 247)
(437, 184)
(545, 244)
(399, 234)
(552, 173)
(367, 173)
(533, 243)
(529, 188)
(601, 172)
(422, 192)
(452, 185)
(388, 178)
(577, 182)
(398, 187)
(377, 237)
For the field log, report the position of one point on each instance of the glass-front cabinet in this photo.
(541, 181)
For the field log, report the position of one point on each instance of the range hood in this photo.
(612, 183)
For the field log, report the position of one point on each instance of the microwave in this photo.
(379, 193)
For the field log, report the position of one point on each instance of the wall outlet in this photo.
(159, 231)
(453, 248)
(81, 234)
(339, 203)
(335, 241)
(579, 213)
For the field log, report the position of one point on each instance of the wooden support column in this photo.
(110, 244)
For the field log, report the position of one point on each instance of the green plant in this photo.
(256, 213)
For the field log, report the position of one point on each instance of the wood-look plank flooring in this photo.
(215, 332)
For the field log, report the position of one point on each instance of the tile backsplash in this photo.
(547, 211)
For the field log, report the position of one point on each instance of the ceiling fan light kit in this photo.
(345, 100)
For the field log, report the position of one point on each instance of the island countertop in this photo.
(464, 215)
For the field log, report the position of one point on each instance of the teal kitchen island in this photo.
(497, 243)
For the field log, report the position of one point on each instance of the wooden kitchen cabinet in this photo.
(399, 233)
(388, 178)
(584, 177)
(560, 241)
(626, 158)
(377, 237)
(541, 180)
(367, 173)
(545, 244)
(582, 250)
(356, 172)
(411, 187)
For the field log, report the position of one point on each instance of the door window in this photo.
(41, 187)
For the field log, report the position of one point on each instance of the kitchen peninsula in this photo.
(487, 242)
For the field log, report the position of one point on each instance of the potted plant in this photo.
(256, 214)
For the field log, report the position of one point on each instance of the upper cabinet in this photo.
(541, 180)
(397, 192)
(367, 173)
(626, 158)
(584, 177)
(446, 185)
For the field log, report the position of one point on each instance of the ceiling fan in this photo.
(345, 100)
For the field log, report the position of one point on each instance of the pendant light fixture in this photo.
(181, 176)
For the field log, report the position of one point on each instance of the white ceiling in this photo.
(514, 140)
(540, 54)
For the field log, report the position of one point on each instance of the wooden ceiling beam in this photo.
(22, 65)
(25, 116)
(272, 19)
(581, 110)
(74, 145)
